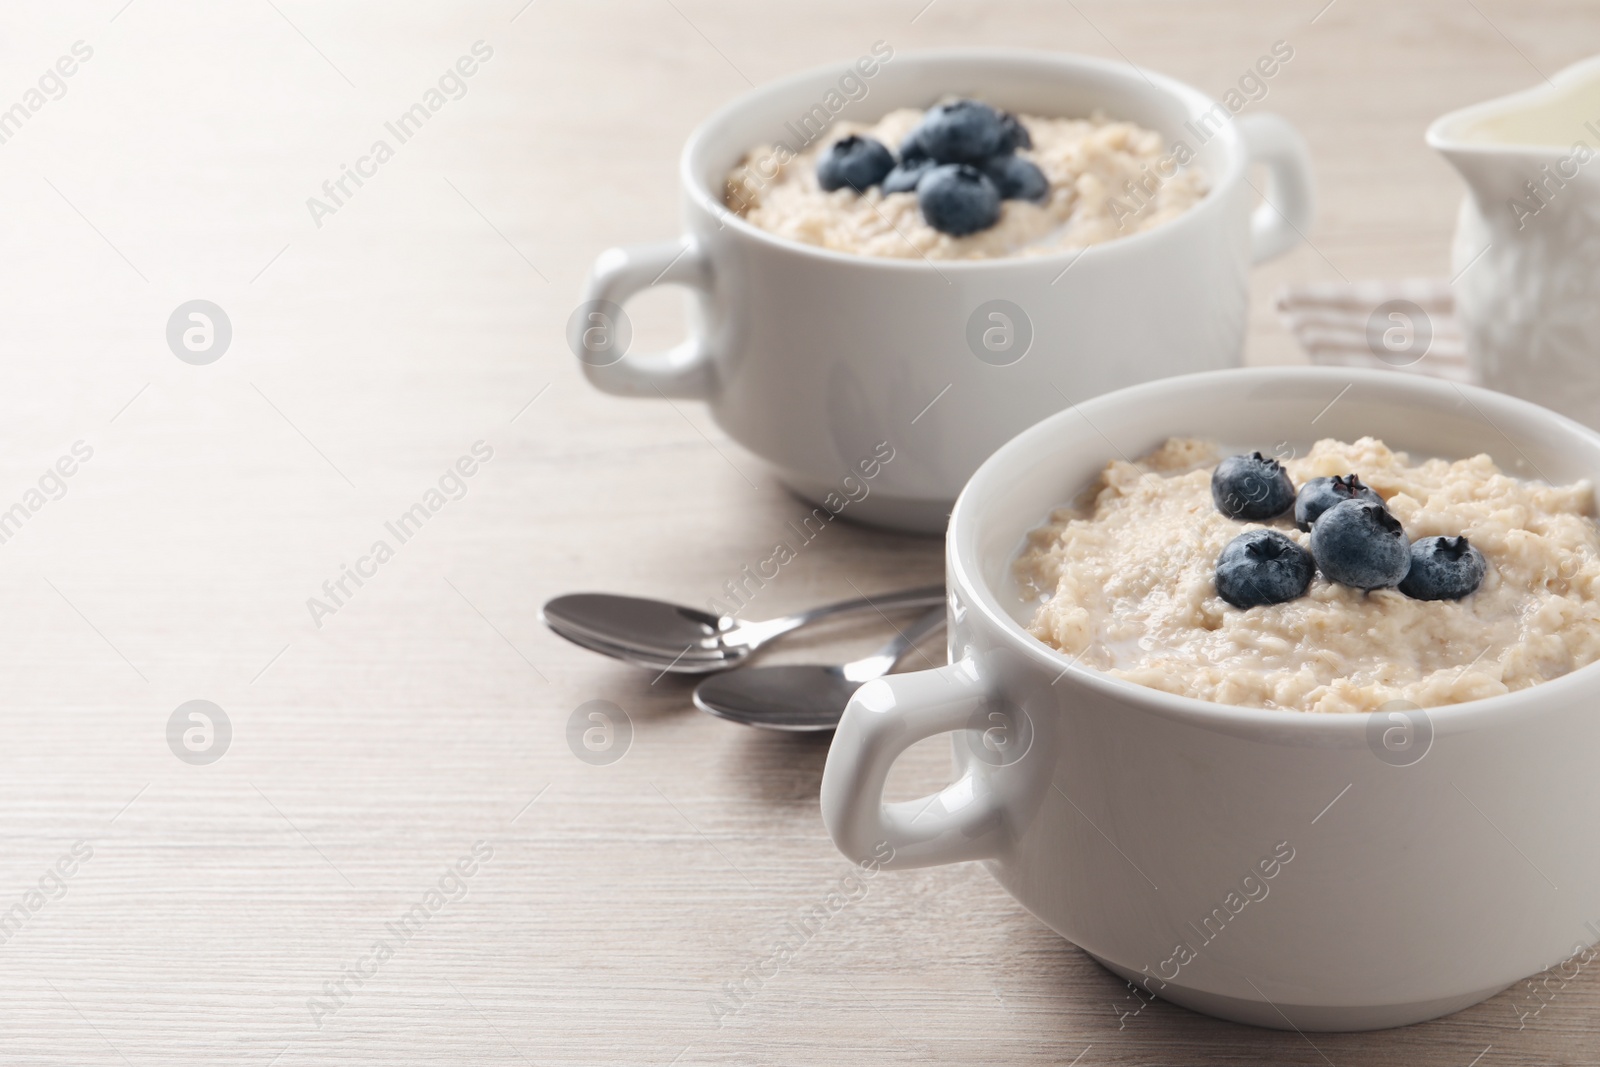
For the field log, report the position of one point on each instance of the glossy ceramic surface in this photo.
(1527, 248)
(818, 362)
(1276, 868)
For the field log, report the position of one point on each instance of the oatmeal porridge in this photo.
(1037, 186)
(1495, 586)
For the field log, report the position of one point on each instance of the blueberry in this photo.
(1443, 568)
(1262, 567)
(904, 178)
(1017, 178)
(1014, 135)
(962, 131)
(1358, 543)
(1320, 494)
(859, 162)
(957, 199)
(912, 150)
(1253, 488)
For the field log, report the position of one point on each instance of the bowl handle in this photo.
(1279, 223)
(883, 719)
(598, 333)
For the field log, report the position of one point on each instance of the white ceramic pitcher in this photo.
(1527, 247)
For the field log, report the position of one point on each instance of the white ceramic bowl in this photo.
(813, 359)
(1124, 816)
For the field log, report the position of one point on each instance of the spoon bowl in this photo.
(800, 697)
(661, 636)
(696, 662)
(651, 626)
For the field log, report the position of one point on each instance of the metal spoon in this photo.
(669, 637)
(804, 697)
(684, 662)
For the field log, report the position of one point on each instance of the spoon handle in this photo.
(929, 622)
(882, 661)
(754, 634)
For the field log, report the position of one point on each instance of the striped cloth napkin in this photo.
(1406, 325)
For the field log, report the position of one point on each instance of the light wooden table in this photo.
(430, 710)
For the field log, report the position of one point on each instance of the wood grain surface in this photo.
(210, 911)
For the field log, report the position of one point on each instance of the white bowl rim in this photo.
(965, 570)
(1215, 199)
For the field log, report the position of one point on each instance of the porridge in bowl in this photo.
(963, 180)
(1336, 581)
